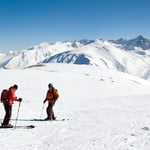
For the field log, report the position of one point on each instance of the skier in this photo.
(51, 96)
(8, 106)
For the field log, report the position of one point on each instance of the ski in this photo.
(49, 120)
(19, 127)
(24, 127)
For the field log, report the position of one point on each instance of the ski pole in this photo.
(17, 114)
(42, 110)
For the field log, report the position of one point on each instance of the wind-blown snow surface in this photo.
(107, 110)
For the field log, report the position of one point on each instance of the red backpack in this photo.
(4, 96)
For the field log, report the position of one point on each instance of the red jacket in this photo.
(11, 96)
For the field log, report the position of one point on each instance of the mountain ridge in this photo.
(130, 56)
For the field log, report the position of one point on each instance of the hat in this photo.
(15, 86)
(50, 85)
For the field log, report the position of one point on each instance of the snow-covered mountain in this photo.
(133, 44)
(131, 56)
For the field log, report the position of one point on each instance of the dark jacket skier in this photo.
(51, 96)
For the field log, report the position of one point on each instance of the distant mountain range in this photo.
(130, 56)
(133, 44)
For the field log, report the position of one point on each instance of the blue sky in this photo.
(25, 23)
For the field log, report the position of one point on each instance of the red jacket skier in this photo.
(8, 106)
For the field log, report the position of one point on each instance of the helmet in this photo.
(15, 86)
(50, 85)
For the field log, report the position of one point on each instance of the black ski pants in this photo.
(8, 112)
(50, 112)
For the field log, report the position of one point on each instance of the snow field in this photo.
(107, 110)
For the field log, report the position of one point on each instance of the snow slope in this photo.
(107, 110)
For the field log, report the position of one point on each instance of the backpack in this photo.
(4, 96)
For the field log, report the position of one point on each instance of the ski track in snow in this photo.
(107, 110)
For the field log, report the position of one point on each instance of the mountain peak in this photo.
(140, 37)
(139, 41)
(142, 42)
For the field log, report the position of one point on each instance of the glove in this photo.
(45, 101)
(20, 100)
